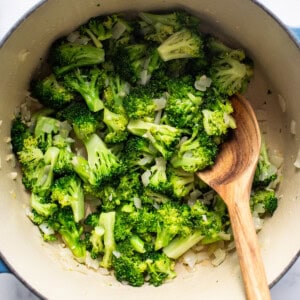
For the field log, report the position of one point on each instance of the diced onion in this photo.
(297, 161)
(145, 177)
(282, 103)
(137, 202)
(116, 254)
(160, 103)
(189, 259)
(45, 228)
(293, 127)
(118, 30)
(202, 83)
(73, 36)
(276, 158)
(220, 256)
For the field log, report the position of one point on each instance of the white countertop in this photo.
(288, 287)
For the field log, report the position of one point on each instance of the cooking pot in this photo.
(274, 93)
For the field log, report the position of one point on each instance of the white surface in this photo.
(288, 287)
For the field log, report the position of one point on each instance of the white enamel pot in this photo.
(274, 93)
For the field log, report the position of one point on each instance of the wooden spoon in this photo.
(231, 177)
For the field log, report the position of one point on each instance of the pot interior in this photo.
(273, 92)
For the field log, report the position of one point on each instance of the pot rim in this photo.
(27, 14)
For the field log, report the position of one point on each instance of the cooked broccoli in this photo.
(265, 172)
(181, 183)
(51, 92)
(144, 101)
(101, 164)
(19, 132)
(230, 71)
(38, 177)
(207, 226)
(45, 130)
(163, 137)
(42, 205)
(183, 109)
(217, 119)
(63, 164)
(116, 127)
(65, 56)
(196, 153)
(136, 62)
(83, 121)
(71, 232)
(158, 180)
(158, 27)
(68, 191)
(89, 84)
(264, 201)
(138, 152)
(159, 268)
(130, 269)
(181, 44)
(173, 219)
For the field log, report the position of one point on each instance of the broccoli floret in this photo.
(196, 153)
(83, 121)
(65, 56)
(63, 165)
(18, 132)
(181, 183)
(230, 70)
(159, 268)
(207, 226)
(107, 222)
(101, 166)
(97, 30)
(183, 105)
(71, 232)
(158, 181)
(45, 130)
(138, 152)
(39, 177)
(163, 137)
(265, 172)
(51, 92)
(217, 119)
(68, 191)
(89, 84)
(142, 102)
(264, 201)
(42, 205)
(173, 219)
(130, 269)
(181, 44)
(158, 27)
(136, 62)
(114, 92)
(116, 127)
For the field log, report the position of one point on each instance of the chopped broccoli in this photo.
(158, 181)
(183, 109)
(83, 121)
(196, 153)
(158, 27)
(173, 219)
(51, 92)
(264, 201)
(265, 172)
(68, 191)
(63, 164)
(71, 232)
(163, 137)
(42, 205)
(230, 71)
(181, 44)
(102, 165)
(65, 56)
(88, 83)
(117, 127)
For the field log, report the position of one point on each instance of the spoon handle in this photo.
(247, 246)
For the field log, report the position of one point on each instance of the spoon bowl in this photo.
(231, 177)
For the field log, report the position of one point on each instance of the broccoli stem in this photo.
(180, 245)
(107, 221)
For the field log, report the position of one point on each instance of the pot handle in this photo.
(3, 267)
